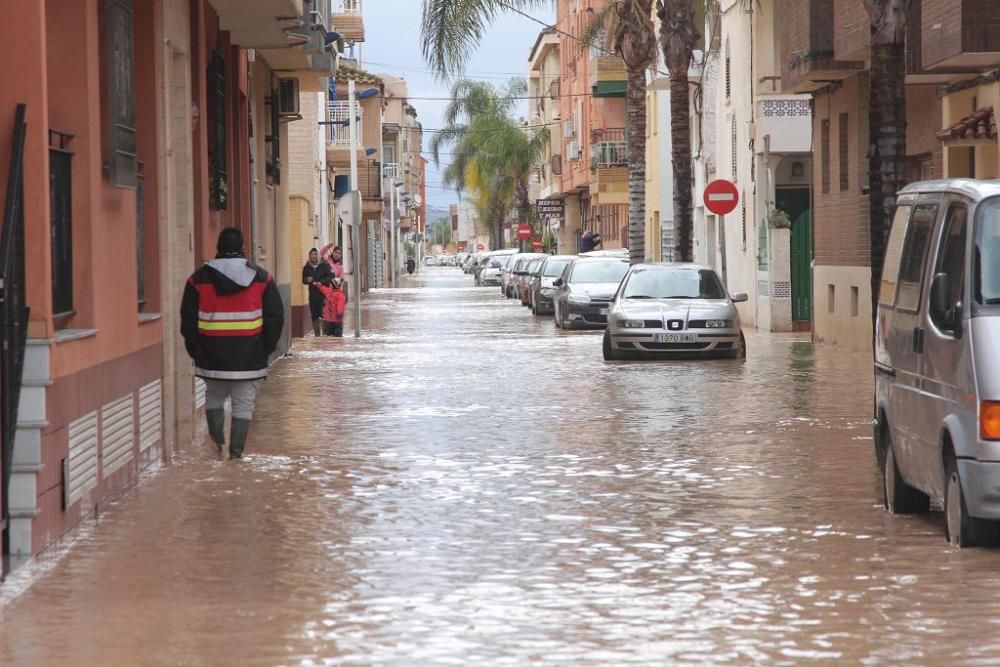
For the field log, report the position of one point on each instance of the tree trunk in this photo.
(680, 136)
(636, 109)
(887, 128)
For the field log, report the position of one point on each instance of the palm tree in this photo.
(678, 36)
(632, 37)
(887, 125)
(492, 152)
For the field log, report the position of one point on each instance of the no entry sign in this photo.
(524, 232)
(721, 197)
(480, 247)
(536, 244)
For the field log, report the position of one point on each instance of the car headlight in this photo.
(632, 324)
(718, 324)
(548, 291)
(580, 299)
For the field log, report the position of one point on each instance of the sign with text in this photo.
(524, 232)
(550, 208)
(721, 197)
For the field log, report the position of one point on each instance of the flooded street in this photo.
(467, 485)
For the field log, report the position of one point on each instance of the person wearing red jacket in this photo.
(231, 320)
(334, 306)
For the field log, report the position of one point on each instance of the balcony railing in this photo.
(390, 170)
(348, 6)
(608, 148)
(339, 135)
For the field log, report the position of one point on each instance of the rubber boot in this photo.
(217, 428)
(238, 432)
(317, 328)
(338, 330)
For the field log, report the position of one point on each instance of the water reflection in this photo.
(468, 485)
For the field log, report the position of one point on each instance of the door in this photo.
(945, 373)
(795, 203)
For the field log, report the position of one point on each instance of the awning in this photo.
(979, 125)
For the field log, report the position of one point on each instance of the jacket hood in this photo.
(232, 274)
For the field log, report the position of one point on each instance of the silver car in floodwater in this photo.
(937, 357)
(671, 310)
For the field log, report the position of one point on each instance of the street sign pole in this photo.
(722, 250)
(721, 197)
(355, 208)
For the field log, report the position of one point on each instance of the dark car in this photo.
(542, 291)
(585, 291)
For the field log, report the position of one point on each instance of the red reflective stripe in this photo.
(231, 333)
(245, 300)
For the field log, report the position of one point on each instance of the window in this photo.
(893, 253)
(61, 215)
(911, 264)
(843, 149)
(951, 251)
(217, 187)
(656, 283)
(732, 148)
(273, 139)
(824, 148)
(729, 87)
(119, 71)
(140, 235)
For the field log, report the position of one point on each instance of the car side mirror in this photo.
(740, 297)
(941, 311)
(558, 282)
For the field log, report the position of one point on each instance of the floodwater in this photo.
(466, 485)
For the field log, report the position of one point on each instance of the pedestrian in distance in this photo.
(334, 256)
(335, 304)
(315, 272)
(590, 241)
(411, 265)
(231, 320)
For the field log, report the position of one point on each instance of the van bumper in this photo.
(981, 485)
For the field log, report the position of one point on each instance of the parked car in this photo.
(614, 252)
(585, 291)
(670, 310)
(429, 260)
(530, 271)
(517, 271)
(492, 272)
(442, 260)
(469, 265)
(542, 291)
(505, 281)
(937, 383)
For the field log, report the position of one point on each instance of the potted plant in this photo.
(778, 219)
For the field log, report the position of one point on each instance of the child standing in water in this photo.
(335, 303)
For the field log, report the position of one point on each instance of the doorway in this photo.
(795, 202)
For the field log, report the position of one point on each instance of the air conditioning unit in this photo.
(573, 150)
(288, 97)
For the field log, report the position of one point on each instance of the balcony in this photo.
(808, 54)
(338, 137)
(608, 167)
(348, 19)
(260, 24)
(788, 121)
(391, 170)
(607, 75)
(960, 34)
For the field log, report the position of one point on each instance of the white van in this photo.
(937, 356)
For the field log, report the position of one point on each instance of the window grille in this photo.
(217, 131)
(140, 234)
(843, 148)
(729, 87)
(61, 221)
(273, 139)
(824, 143)
(120, 89)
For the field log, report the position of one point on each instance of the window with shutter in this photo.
(729, 87)
(824, 147)
(273, 139)
(844, 149)
(119, 69)
(218, 187)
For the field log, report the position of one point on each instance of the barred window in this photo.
(119, 71)
(824, 148)
(844, 148)
(218, 189)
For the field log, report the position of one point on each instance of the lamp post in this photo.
(353, 96)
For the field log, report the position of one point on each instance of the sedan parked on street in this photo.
(518, 270)
(669, 310)
(542, 291)
(530, 272)
(586, 290)
(492, 271)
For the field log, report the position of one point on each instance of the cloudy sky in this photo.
(393, 47)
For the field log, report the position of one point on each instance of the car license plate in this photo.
(675, 338)
(602, 311)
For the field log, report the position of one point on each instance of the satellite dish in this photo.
(418, 199)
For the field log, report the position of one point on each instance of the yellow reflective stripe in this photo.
(231, 326)
(248, 315)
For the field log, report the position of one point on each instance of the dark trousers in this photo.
(335, 329)
(316, 303)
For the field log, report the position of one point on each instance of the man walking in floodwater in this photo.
(231, 320)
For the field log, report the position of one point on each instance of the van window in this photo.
(951, 251)
(986, 268)
(893, 252)
(911, 265)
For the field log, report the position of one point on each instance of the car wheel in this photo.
(740, 352)
(897, 496)
(961, 529)
(610, 353)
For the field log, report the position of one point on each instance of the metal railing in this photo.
(13, 310)
(348, 6)
(390, 170)
(609, 148)
(339, 112)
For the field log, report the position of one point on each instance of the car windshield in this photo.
(554, 267)
(599, 272)
(987, 252)
(534, 266)
(499, 262)
(674, 284)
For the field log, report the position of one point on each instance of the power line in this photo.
(474, 74)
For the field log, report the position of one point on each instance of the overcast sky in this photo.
(392, 29)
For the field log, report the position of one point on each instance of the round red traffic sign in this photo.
(536, 244)
(721, 196)
(524, 232)
(480, 247)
